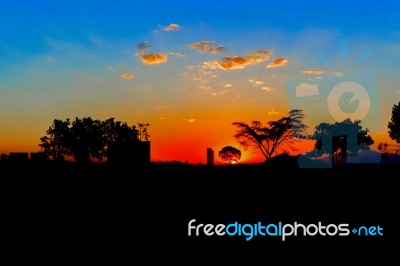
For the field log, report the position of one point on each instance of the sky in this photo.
(190, 69)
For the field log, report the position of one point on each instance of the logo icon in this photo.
(339, 95)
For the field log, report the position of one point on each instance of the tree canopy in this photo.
(394, 124)
(87, 139)
(274, 137)
(342, 138)
(230, 154)
(394, 132)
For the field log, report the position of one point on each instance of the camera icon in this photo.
(334, 101)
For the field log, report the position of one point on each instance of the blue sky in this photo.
(66, 59)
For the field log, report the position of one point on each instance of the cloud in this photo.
(172, 27)
(217, 50)
(191, 120)
(152, 58)
(237, 62)
(265, 52)
(206, 46)
(204, 87)
(198, 78)
(273, 112)
(279, 62)
(265, 88)
(177, 54)
(226, 85)
(313, 72)
(143, 46)
(256, 82)
(127, 76)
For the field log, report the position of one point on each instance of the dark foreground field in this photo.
(100, 211)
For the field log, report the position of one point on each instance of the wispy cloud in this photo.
(256, 82)
(265, 88)
(312, 72)
(177, 54)
(226, 85)
(206, 46)
(152, 58)
(279, 62)
(172, 27)
(204, 87)
(127, 76)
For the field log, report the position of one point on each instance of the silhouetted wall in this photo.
(210, 157)
(132, 153)
(18, 156)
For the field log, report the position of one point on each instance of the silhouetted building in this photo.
(129, 153)
(38, 156)
(4, 156)
(18, 156)
(210, 157)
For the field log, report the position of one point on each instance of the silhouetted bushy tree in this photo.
(230, 154)
(338, 135)
(394, 123)
(86, 139)
(394, 132)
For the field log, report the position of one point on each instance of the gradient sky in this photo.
(162, 62)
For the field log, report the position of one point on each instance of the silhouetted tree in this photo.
(86, 139)
(276, 136)
(394, 123)
(230, 154)
(342, 138)
(394, 132)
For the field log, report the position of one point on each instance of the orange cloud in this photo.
(127, 76)
(152, 58)
(206, 46)
(279, 62)
(273, 112)
(172, 27)
(237, 62)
